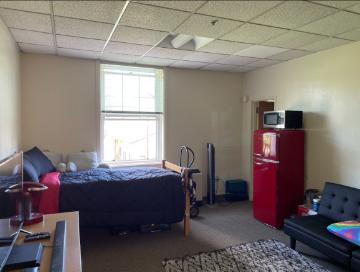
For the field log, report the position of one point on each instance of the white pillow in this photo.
(61, 167)
(84, 160)
(71, 167)
(55, 158)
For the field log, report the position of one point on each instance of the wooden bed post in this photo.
(185, 174)
(187, 204)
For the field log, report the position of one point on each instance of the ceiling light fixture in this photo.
(182, 39)
(201, 41)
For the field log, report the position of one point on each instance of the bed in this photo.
(128, 196)
(115, 197)
(123, 196)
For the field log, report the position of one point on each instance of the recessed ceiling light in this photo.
(181, 39)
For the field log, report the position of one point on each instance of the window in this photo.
(131, 113)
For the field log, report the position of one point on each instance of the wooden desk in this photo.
(73, 250)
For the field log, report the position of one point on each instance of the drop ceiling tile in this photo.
(106, 56)
(263, 63)
(80, 28)
(260, 51)
(155, 61)
(355, 8)
(137, 35)
(79, 43)
(83, 54)
(294, 39)
(188, 64)
(351, 35)
(26, 20)
(334, 24)
(203, 57)
(251, 33)
(244, 69)
(34, 6)
(36, 48)
(101, 11)
(189, 6)
(293, 14)
(224, 47)
(236, 60)
(33, 37)
(236, 10)
(165, 53)
(325, 44)
(290, 54)
(201, 25)
(127, 48)
(150, 17)
(218, 67)
(338, 4)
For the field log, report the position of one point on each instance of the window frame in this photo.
(158, 115)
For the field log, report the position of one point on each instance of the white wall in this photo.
(204, 107)
(9, 94)
(326, 86)
(59, 103)
(60, 111)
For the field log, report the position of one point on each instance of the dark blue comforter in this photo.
(124, 196)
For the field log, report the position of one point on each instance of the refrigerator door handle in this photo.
(268, 161)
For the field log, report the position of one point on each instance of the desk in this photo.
(73, 250)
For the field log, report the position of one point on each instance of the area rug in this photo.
(259, 256)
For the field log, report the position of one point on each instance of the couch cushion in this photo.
(340, 203)
(315, 226)
(30, 173)
(40, 162)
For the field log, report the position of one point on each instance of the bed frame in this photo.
(185, 172)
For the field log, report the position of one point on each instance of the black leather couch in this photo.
(338, 203)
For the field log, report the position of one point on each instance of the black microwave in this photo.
(286, 119)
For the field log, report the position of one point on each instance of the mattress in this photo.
(123, 196)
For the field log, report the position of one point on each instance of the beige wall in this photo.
(9, 94)
(326, 86)
(204, 107)
(59, 103)
(60, 111)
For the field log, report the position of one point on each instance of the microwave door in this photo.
(270, 119)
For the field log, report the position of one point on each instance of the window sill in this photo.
(135, 164)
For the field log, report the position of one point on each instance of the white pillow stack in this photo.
(73, 162)
(84, 160)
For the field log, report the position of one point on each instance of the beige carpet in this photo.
(217, 227)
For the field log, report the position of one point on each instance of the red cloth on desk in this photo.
(49, 200)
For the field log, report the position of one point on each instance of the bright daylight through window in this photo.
(131, 113)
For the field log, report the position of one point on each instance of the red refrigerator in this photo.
(278, 174)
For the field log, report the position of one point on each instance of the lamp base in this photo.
(34, 218)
